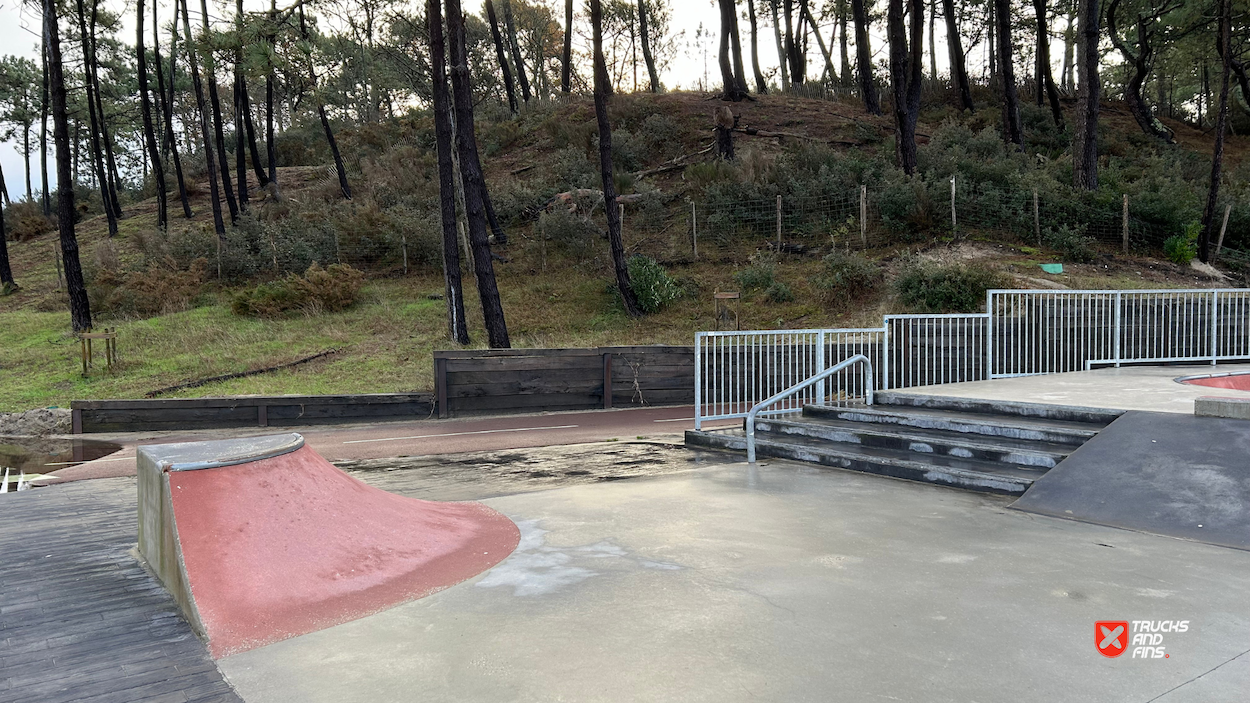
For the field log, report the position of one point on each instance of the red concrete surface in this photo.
(285, 546)
(1236, 382)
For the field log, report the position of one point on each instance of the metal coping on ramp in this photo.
(261, 539)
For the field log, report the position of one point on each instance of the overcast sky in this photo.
(20, 29)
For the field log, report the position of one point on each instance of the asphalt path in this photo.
(424, 437)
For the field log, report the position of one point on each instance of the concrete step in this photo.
(969, 474)
(980, 406)
(1006, 450)
(1065, 432)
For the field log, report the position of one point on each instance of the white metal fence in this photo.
(1022, 333)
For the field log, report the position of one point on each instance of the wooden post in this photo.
(262, 415)
(1228, 209)
(607, 380)
(219, 258)
(82, 343)
(694, 232)
(1037, 220)
(1124, 233)
(440, 387)
(863, 216)
(954, 222)
(60, 277)
(778, 223)
(403, 242)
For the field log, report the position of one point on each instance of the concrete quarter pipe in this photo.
(261, 539)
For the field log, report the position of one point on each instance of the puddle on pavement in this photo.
(477, 475)
(35, 456)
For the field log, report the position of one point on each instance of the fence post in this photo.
(820, 366)
(698, 380)
(1228, 209)
(440, 387)
(607, 380)
(778, 223)
(403, 242)
(60, 277)
(1037, 220)
(863, 216)
(1119, 306)
(1215, 327)
(694, 232)
(989, 334)
(954, 222)
(1125, 227)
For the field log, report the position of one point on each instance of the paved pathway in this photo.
(80, 619)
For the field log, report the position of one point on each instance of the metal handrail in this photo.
(755, 409)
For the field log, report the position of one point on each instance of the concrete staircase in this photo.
(981, 445)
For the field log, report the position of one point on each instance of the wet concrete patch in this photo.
(477, 475)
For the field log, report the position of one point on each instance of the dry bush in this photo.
(330, 289)
(25, 221)
(159, 289)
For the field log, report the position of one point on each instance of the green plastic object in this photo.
(1052, 268)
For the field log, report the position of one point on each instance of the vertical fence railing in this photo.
(1022, 333)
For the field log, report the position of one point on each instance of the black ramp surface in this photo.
(1165, 473)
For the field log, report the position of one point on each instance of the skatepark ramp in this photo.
(261, 539)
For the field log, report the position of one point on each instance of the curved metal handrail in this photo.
(755, 409)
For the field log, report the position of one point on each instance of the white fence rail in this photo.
(1022, 333)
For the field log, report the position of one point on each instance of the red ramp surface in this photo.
(1239, 381)
(287, 544)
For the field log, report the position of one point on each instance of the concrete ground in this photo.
(784, 582)
(1152, 388)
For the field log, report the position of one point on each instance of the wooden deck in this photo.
(80, 619)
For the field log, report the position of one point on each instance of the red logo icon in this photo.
(1111, 637)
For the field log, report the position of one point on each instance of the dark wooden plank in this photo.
(101, 628)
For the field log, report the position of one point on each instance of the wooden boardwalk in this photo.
(80, 619)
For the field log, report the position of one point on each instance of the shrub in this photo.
(937, 288)
(160, 288)
(25, 221)
(1182, 248)
(1071, 243)
(847, 278)
(331, 289)
(760, 274)
(570, 233)
(651, 283)
(779, 292)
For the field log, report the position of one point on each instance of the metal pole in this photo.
(778, 223)
(698, 376)
(863, 216)
(954, 222)
(820, 366)
(1125, 226)
(1037, 220)
(1119, 306)
(1224, 227)
(1215, 328)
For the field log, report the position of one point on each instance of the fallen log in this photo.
(241, 374)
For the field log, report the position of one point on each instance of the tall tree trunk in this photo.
(453, 287)
(149, 132)
(30, 196)
(863, 59)
(761, 85)
(7, 284)
(510, 25)
(782, 59)
(566, 58)
(848, 78)
(44, 107)
(79, 307)
(1225, 49)
(1012, 130)
(339, 168)
(959, 65)
(906, 76)
(499, 54)
(1069, 49)
(253, 149)
(794, 55)
(1140, 62)
(97, 152)
(1045, 78)
(644, 34)
(1089, 92)
(271, 155)
(740, 74)
(732, 89)
(166, 101)
(106, 137)
(824, 50)
(240, 158)
(206, 130)
(933, 73)
(473, 180)
(603, 88)
(210, 75)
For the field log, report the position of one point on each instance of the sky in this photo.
(20, 28)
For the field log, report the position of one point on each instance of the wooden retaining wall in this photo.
(246, 411)
(534, 380)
